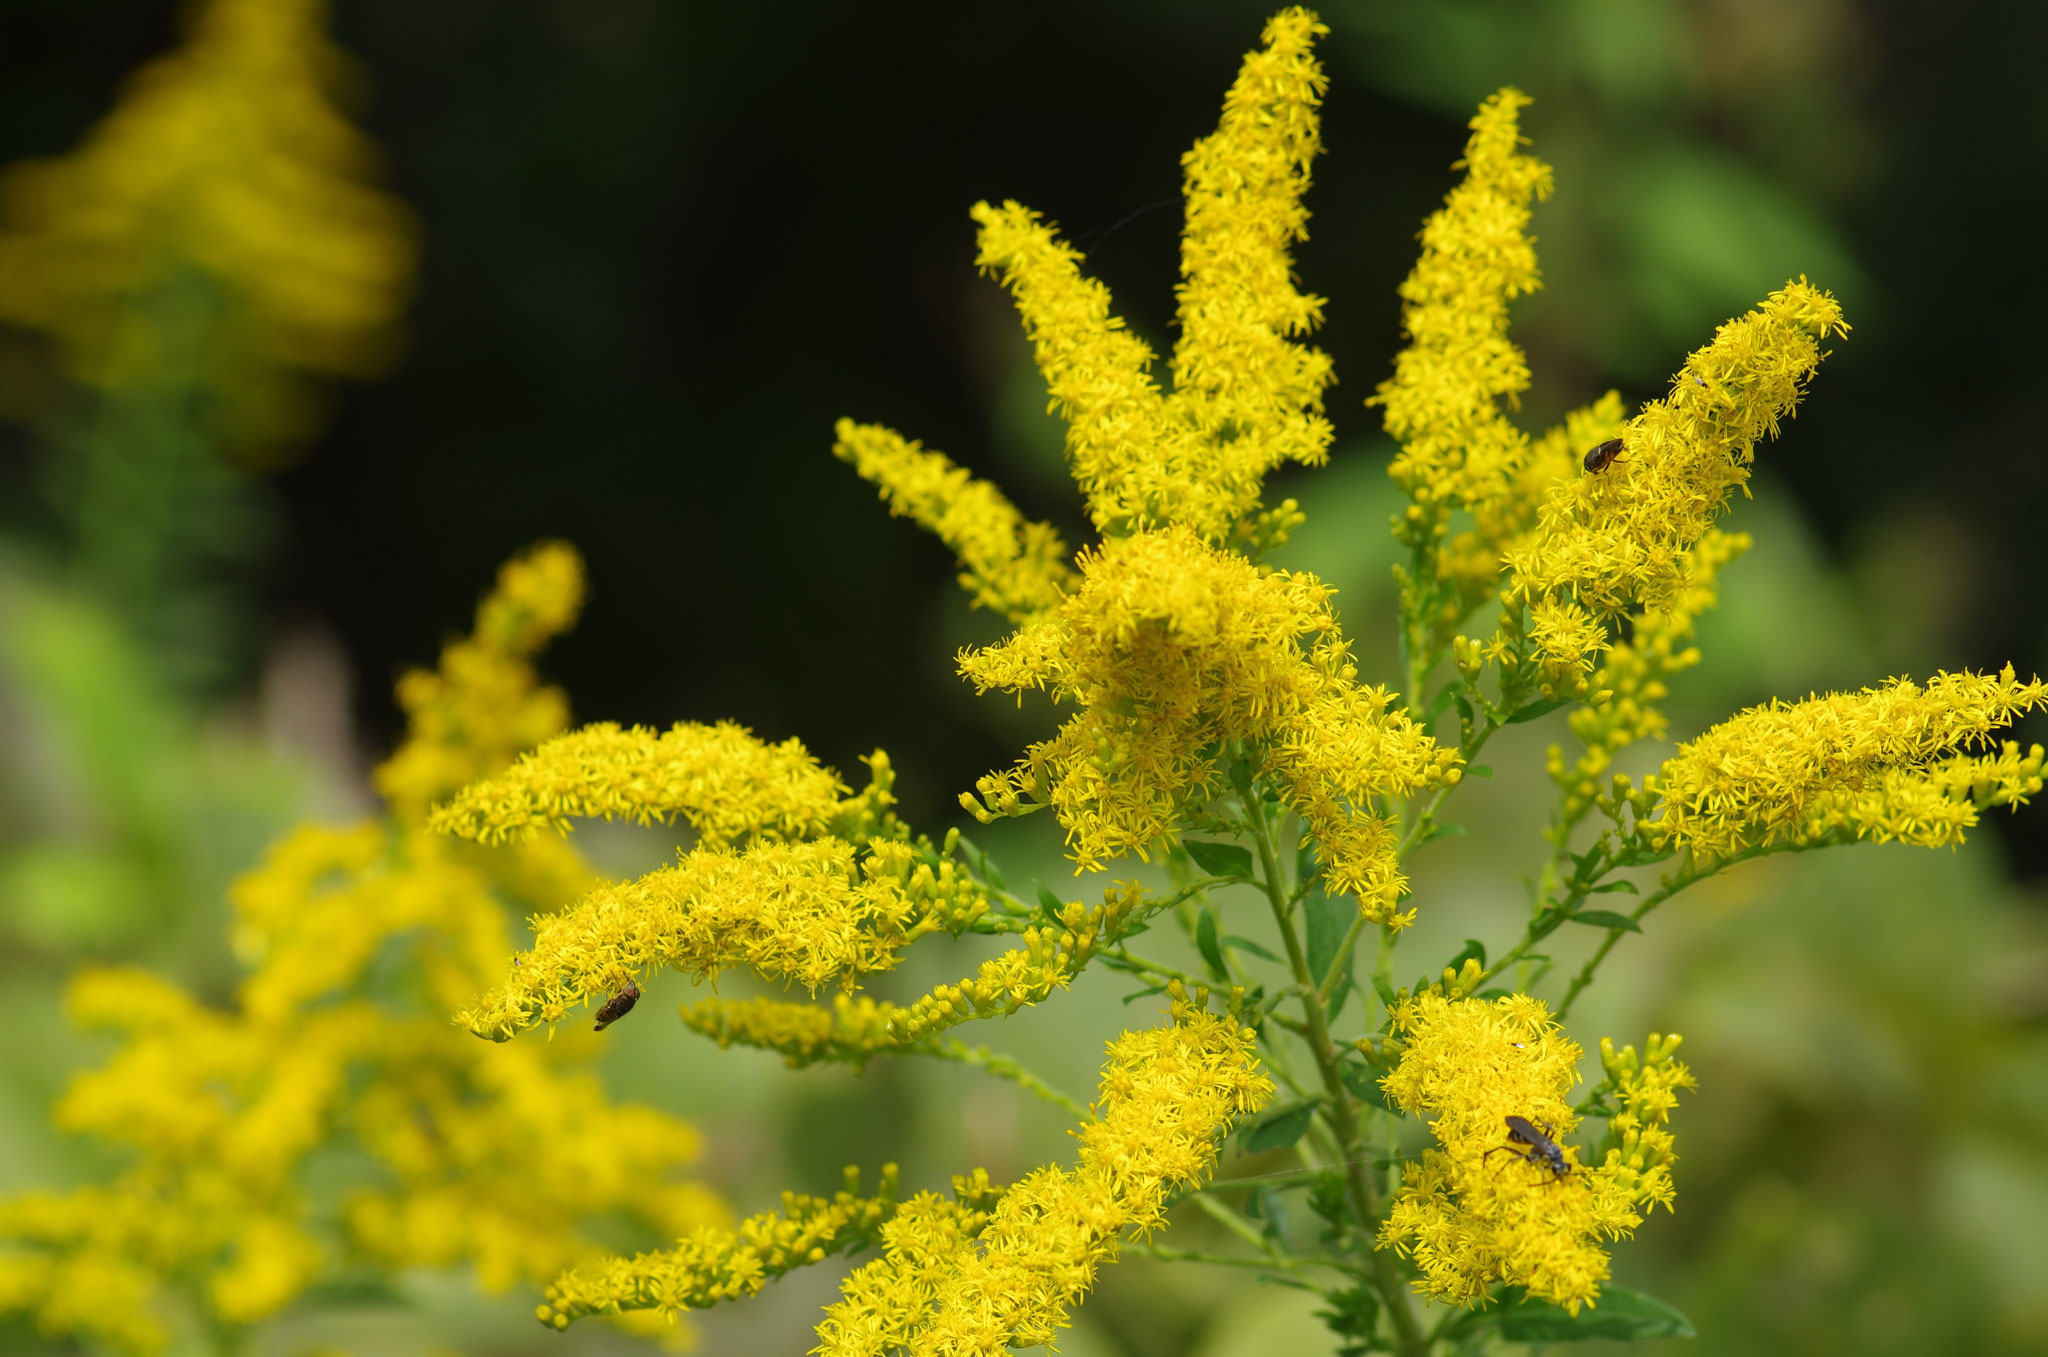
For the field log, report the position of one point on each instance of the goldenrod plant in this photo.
(1222, 751)
(330, 1122)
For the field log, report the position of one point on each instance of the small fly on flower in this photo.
(1533, 1146)
(617, 1007)
(1603, 455)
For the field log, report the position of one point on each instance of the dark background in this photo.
(668, 244)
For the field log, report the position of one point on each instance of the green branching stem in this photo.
(1343, 1116)
(1689, 876)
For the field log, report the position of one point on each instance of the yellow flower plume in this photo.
(1246, 397)
(1442, 404)
(1886, 763)
(1622, 536)
(1167, 1097)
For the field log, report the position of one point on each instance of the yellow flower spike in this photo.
(226, 163)
(711, 1265)
(1008, 563)
(1168, 1096)
(1442, 404)
(1887, 763)
(1623, 535)
(1476, 1212)
(1250, 394)
(728, 785)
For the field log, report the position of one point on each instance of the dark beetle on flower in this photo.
(617, 1007)
(1541, 1150)
(1603, 455)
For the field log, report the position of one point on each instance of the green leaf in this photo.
(1613, 886)
(1531, 710)
(1484, 770)
(1385, 991)
(1329, 919)
(1605, 918)
(1442, 829)
(1152, 989)
(1475, 950)
(1049, 904)
(1220, 859)
(1247, 945)
(1278, 1130)
(1338, 998)
(1306, 867)
(1464, 712)
(1364, 1082)
(1621, 1314)
(1205, 942)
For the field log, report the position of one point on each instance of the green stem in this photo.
(1363, 1191)
(1239, 1226)
(1003, 1067)
(1172, 1255)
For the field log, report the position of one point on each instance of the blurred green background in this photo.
(667, 244)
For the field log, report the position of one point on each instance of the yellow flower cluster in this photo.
(1885, 763)
(1458, 448)
(1175, 649)
(359, 940)
(857, 1027)
(227, 166)
(1632, 679)
(1482, 1208)
(1622, 536)
(1636, 1150)
(886, 1300)
(1009, 563)
(1167, 1097)
(1245, 397)
(710, 1264)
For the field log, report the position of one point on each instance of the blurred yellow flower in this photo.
(222, 215)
